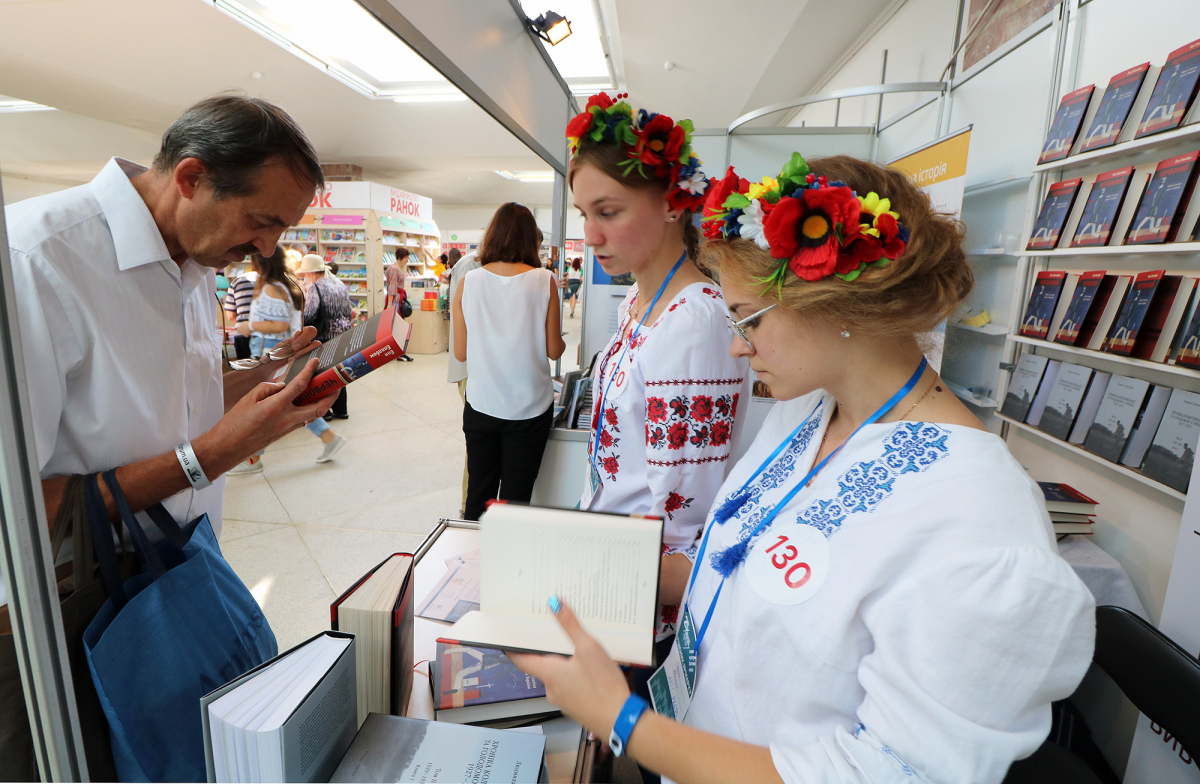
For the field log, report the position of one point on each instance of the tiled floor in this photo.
(300, 533)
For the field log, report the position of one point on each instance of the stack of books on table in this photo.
(1146, 427)
(1071, 512)
(472, 684)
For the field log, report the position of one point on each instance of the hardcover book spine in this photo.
(348, 370)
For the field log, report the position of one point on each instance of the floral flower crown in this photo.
(651, 140)
(814, 227)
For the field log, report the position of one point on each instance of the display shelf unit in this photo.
(1118, 250)
(991, 329)
(1132, 363)
(967, 396)
(1077, 450)
(1001, 252)
(1124, 150)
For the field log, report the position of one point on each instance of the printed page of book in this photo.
(604, 566)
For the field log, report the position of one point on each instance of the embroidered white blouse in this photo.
(942, 625)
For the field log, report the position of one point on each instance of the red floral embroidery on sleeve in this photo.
(719, 435)
(656, 409)
(610, 466)
(677, 435)
(702, 408)
(674, 503)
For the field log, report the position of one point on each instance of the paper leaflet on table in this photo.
(457, 592)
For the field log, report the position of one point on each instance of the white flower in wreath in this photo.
(751, 221)
(696, 184)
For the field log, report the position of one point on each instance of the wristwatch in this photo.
(627, 719)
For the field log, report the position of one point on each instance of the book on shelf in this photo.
(1102, 208)
(1167, 309)
(1089, 407)
(1114, 108)
(1066, 529)
(1042, 300)
(1063, 304)
(1104, 311)
(1023, 387)
(331, 254)
(1053, 214)
(476, 685)
(351, 355)
(1064, 401)
(604, 565)
(1061, 497)
(1164, 201)
(1034, 417)
(394, 748)
(1081, 302)
(1133, 313)
(289, 719)
(1145, 426)
(378, 611)
(1187, 348)
(1173, 450)
(1123, 400)
(1173, 92)
(1065, 126)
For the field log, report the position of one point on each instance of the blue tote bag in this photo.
(165, 638)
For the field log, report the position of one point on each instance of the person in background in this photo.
(667, 396)
(452, 259)
(394, 277)
(237, 306)
(507, 325)
(222, 285)
(440, 266)
(327, 309)
(897, 611)
(275, 310)
(456, 371)
(574, 279)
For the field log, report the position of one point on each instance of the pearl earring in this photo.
(845, 332)
(673, 217)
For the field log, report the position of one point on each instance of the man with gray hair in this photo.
(115, 292)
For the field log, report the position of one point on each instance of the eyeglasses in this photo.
(740, 326)
(282, 351)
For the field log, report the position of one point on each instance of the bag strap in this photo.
(97, 519)
(140, 542)
(72, 518)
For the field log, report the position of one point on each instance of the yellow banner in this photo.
(940, 161)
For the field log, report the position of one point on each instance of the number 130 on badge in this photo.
(788, 564)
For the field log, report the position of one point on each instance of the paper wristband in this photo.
(191, 466)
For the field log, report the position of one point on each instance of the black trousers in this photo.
(241, 346)
(338, 409)
(503, 457)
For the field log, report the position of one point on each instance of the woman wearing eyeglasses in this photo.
(666, 393)
(877, 596)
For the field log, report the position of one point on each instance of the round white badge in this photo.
(788, 564)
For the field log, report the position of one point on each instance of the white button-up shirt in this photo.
(122, 358)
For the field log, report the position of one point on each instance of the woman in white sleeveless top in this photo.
(509, 309)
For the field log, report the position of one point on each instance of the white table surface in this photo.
(1101, 573)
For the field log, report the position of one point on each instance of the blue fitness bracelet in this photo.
(627, 719)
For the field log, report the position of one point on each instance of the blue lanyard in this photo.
(736, 554)
(598, 424)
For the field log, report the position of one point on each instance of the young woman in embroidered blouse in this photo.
(670, 393)
(878, 596)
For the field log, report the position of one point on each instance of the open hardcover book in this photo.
(604, 566)
(350, 356)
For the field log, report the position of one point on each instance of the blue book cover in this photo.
(1161, 209)
(1053, 216)
(1114, 108)
(1043, 298)
(1065, 125)
(1103, 205)
(468, 675)
(1133, 313)
(1173, 92)
(1081, 303)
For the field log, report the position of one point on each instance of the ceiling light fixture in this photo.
(550, 27)
(527, 176)
(430, 98)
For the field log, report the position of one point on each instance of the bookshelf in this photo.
(1077, 450)
(991, 329)
(1132, 364)
(1124, 151)
(1118, 250)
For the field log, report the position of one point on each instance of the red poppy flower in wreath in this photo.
(656, 409)
(659, 143)
(718, 192)
(889, 235)
(702, 408)
(805, 230)
(610, 467)
(599, 99)
(677, 435)
(579, 126)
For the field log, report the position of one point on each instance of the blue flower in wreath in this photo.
(686, 172)
(643, 118)
(732, 227)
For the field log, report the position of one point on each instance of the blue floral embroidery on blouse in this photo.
(911, 448)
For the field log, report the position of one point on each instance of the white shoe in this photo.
(248, 467)
(332, 449)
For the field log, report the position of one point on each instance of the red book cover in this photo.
(1156, 316)
(1114, 108)
(1173, 92)
(351, 355)
(1133, 313)
(1163, 203)
(1099, 303)
(402, 633)
(1065, 126)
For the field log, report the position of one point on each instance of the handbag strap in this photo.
(140, 542)
(102, 541)
(72, 519)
